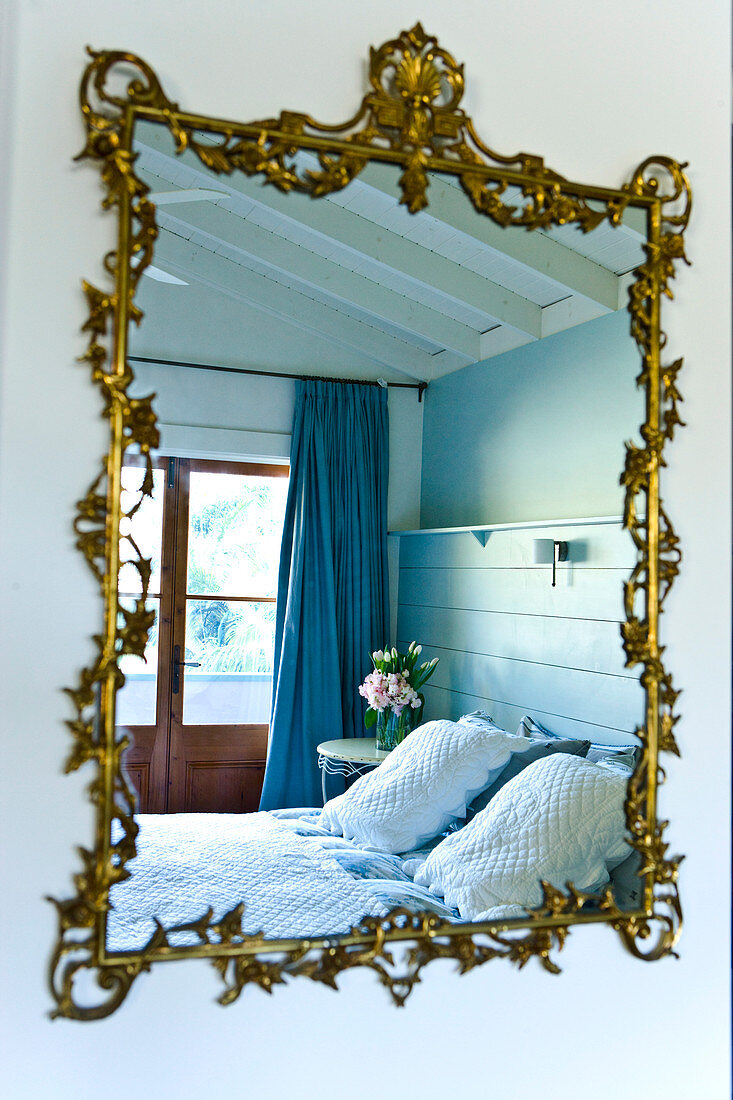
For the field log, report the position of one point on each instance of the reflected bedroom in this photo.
(379, 540)
(384, 669)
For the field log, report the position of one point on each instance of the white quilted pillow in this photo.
(422, 785)
(561, 819)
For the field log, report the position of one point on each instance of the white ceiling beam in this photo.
(411, 260)
(372, 241)
(571, 311)
(634, 222)
(596, 289)
(223, 227)
(534, 250)
(290, 307)
(624, 284)
(499, 340)
(192, 194)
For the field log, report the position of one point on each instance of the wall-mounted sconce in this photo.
(550, 550)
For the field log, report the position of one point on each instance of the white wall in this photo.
(537, 433)
(600, 97)
(248, 415)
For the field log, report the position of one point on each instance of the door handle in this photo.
(177, 662)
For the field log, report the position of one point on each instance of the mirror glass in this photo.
(507, 556)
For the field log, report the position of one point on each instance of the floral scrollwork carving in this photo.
(638, 933)
(97, 527)
(90, 525)
(411, 117)
(663, 181)
(103, 109)
(398, 965)
(68, 969)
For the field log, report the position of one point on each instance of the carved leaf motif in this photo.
(133, 636)
(416, 78)
(673, 398)
(214, 158)
(414, 184)
(141, 424)
(487, 199)
(336, 174)
(90, 525)
(636, 470)
(101, 308)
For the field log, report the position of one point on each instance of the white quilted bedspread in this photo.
(290, 884)
(561, 819)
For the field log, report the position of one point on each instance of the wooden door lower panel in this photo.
(146, 764)
(139, 776)
(223, 786)
(217, 769)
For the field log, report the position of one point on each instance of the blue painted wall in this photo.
(536, 433)
(511, 644)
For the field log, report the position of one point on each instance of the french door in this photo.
(197, 709)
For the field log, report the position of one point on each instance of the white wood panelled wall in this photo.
(511, 644)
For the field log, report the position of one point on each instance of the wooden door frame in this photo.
(161, 761)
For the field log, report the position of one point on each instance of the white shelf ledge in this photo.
(482, 531)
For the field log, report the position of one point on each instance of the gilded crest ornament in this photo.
(411, 117)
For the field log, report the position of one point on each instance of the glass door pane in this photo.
(137, 701)
(233, 643)
(234, 533)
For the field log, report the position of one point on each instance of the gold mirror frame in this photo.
(410, 117)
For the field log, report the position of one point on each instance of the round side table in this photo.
(348, 756)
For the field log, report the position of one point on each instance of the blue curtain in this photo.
(333, 598)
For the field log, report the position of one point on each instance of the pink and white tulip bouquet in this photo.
(395, 682)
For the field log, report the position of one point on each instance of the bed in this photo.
(463, 820)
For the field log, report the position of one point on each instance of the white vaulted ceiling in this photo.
(354, 278)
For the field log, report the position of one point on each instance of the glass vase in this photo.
(393, 728)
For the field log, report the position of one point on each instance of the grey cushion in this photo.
(481, 719)
(519, 761)
(622, 754)
(627, 886)
(623, 761)
(623, 757)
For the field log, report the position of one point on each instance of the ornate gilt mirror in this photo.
(397, 250)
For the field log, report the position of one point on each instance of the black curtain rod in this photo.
(419, 386)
